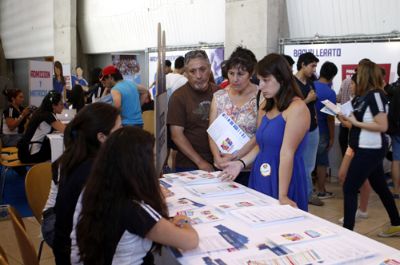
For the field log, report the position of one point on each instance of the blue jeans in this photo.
(309, 157)
(396, 147)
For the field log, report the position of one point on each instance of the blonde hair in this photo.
(369, 76)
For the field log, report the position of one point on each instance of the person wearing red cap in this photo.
(125, 96)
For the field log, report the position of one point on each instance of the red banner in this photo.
(349, 69)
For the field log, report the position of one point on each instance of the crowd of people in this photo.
(106, 205)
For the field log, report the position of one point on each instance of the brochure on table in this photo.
(217, 189)
(194, 177)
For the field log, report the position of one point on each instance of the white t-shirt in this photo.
(173, 82)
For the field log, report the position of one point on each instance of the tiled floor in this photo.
(332, 211)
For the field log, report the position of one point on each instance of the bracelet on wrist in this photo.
(243, 163)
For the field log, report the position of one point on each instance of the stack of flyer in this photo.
(194, 177)
(182, 204)
(202, 215)
(218, 189)
(227, 206)
(227, 135)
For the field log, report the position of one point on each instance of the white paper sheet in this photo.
(347, 108)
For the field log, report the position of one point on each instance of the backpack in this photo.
(393, 92)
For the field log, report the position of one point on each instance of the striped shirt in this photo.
(344, 94)
(365, 109)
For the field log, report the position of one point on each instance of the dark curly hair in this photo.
(243, 59)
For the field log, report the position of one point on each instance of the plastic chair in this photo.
(148, 121)
(8, 160)
(9, 150)
(37, 188)
(26, 248)
(3, 257)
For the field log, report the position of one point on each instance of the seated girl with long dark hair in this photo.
(34, 147)
(83, 137)
(121, 210)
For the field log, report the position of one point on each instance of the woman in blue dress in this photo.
(278, 168)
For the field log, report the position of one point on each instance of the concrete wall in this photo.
(255, 24)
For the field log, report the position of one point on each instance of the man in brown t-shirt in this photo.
(188, 112)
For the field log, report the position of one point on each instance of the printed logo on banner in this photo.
(323, 52)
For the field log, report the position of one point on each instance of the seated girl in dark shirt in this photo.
(34, 146)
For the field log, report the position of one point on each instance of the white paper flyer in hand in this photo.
(347, 108)
(298, 235)
(328, 111)
(202, 215)
(218, 189)
(258, 216)
(227, 135)
(332, 108)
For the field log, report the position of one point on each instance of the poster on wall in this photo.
(347, 55)
(67, 75)
(216, 56)
(40, 81)
(128, 65)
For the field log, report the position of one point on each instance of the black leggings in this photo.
(343, 138)
(367, 164)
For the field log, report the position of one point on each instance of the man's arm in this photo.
(187, 149)
(116, 98)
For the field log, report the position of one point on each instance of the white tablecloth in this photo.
(56, 145)
(352, 242)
